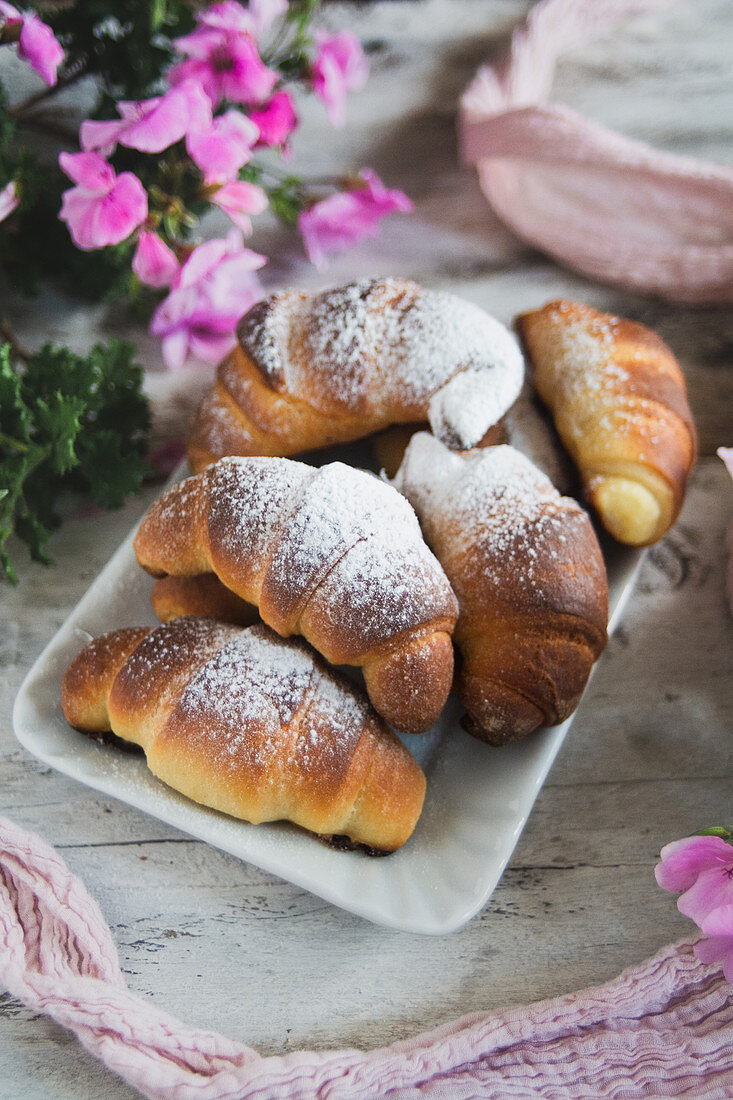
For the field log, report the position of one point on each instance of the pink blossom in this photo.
(265, 12)
(103, 208)
(718, 927)
(341, 220)
(276, 120)
(702, 868)
(232, 17)
(154, 263)
(223, 58)
(37, 44)
(213, 289)
(8, 199)
(223, 147)
(340, 67)
(238, 199)
(151, 125)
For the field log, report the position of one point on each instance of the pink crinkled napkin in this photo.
(613, 208)
(661, 1029)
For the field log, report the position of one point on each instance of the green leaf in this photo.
(67, 422)
(58, 420)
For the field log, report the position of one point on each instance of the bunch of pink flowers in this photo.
(224, 99)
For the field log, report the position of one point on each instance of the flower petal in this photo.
(8, 199)
(89, 170)
(154, 263)
(38, 46)
(682, 861)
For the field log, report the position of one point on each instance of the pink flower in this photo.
(702, 867)
(103, 208)
(238, 199)
(223, 147)
(151, 125)
(214, 288)
(341, 220)
(37, 44)
(232, 17)
(276, 120)
(154, 263)
(340, 67)
(221, 55)
(264, 13)
(8, 200)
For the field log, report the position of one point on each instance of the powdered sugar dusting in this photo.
(250, 500)
(255, 672)
(336, 540)
(382, 589)
(585, 374)
(392, 346)
(493, 500)
(266, 703)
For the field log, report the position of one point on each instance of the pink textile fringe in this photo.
(661, 1029)
(610, 207)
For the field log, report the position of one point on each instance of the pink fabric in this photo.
(613, 208)
(662, 1029)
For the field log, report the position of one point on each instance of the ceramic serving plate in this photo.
(478, 798)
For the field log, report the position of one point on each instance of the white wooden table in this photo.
(650, 755)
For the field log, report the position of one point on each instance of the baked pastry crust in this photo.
(310, 371)
(530, 579)
(250, 725)
(619, 403)
(333, 554)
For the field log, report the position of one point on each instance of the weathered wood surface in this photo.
(650, 754)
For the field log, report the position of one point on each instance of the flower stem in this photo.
(64, 81)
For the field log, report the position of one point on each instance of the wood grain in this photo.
(649, 757)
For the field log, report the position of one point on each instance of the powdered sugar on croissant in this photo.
(333, 554)
(251, 725)
(531, 583)
(619, 402)
(312, 370)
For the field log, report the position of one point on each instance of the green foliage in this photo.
(286, 199)
(127, 51)
(67, 422)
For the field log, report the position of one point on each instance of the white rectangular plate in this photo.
(478, 798)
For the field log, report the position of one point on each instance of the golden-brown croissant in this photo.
(333, 554)
(251, 725)
(531, 583)
(202, 594)
(619, 402)
(313, 370)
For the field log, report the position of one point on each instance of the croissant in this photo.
(531, 583)
(202, 594)
(313, 370)
(620, 406)
(333, 554)
(251, 725)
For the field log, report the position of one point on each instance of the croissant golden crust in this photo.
(333, 554)
(313, 370)
(250, 725)
(619, 402)
(529, 576)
